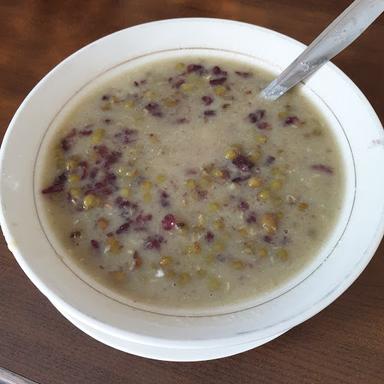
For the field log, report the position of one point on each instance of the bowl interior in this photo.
(185, 54)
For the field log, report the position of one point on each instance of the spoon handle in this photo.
(338, 35)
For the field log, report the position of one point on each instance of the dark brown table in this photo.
(342, 344)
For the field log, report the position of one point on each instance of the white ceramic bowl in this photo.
(175, 337)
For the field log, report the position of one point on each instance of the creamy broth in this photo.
(176, 186)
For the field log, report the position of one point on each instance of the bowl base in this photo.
(165, 353)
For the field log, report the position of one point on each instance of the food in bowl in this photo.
(177, 186)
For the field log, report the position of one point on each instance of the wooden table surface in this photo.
(342, 344)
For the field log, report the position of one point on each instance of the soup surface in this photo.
(176, 186)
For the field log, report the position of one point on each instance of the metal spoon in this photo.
(338, 35)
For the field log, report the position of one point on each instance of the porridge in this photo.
(176, 186)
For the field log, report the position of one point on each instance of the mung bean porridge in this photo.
(175, 185)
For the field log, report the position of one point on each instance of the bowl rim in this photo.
(113, 330)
